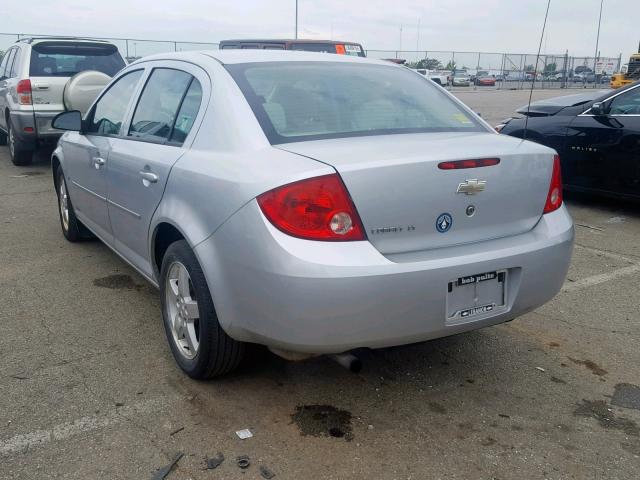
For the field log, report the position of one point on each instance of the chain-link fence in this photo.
(130, 48)
(512, 71)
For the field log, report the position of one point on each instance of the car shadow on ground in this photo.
(614, 206)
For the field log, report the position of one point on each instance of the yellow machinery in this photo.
(633, 73)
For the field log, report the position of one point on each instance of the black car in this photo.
(596, 133)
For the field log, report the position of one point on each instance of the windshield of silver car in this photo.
(300, 101)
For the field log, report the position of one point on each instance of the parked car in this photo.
(486, 81)
(441, 77)
(311, 203)
(461, 80)
(323, 46)
(479, 74)
(33, 75)
(596, 134)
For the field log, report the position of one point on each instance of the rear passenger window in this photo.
(12, 54)
(14, 67)
(158, 106)
(188, 112)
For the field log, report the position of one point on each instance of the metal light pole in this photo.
(595, 55)
(296, 19)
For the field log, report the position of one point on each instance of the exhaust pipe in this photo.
(348, 361)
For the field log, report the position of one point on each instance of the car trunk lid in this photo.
(401, 193)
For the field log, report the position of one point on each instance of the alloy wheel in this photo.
(12, 142)
(182, 310)
(63, 202)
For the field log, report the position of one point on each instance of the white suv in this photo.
(33, 75)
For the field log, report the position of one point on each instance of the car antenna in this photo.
(535, 71)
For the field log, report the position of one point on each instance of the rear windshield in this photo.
(64, 59)
(343, 49)
(299, 101)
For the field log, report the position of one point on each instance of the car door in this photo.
(5, 70)
(86, 153)
(625, 154)
(602, 151)
(157, 135)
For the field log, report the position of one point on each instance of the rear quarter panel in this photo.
(230, 162)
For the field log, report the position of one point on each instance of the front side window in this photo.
(108, 114)
(298, 101)
(157, 109)
(627, 103)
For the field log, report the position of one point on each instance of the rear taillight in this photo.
(554, 197)
(317, 208)
(23, 89)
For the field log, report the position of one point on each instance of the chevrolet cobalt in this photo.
(310, 203)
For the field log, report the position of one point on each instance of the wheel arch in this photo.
(165, 233)
(55, 164)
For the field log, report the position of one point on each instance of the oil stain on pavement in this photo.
(323, 421)
(599, 410)
(626, 395)
(591, 365)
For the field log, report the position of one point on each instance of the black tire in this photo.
(217, 353)
(73, 231)
(20, 154)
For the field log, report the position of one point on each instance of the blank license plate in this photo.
(475, 295)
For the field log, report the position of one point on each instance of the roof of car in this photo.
(228, 57)
(34, 40)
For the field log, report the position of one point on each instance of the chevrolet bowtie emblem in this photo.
(471, 187)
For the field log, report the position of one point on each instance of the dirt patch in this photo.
(323, 421)
(626, 395)
(553, 344)
(591, 365)
(117, 282)
(599, 410)
(31, 173)
(435, 407)
(558, 380)
(487, 442)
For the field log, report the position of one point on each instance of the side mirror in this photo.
(598, 108)
(68, 121)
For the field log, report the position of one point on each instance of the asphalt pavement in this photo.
(89, 389)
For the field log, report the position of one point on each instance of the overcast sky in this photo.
(463, 25)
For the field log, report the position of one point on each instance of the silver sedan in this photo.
(310, 203)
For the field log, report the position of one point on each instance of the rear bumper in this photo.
(322, 297)
(35, 127)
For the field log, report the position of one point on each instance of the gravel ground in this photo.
(89, 388)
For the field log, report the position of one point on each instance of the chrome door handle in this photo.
(98, 162)
(149, 176)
